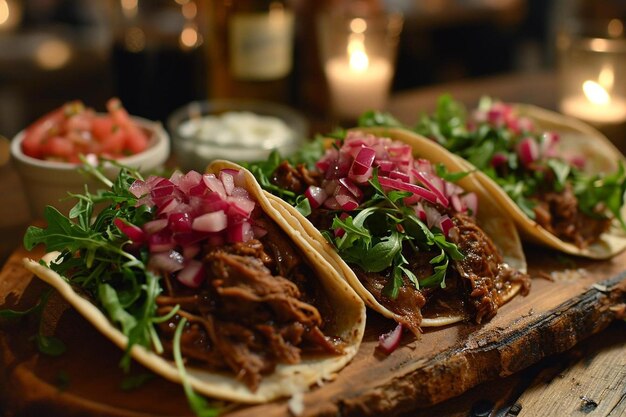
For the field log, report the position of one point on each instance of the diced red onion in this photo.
(139, 188)
(456, 203)
(179, 222)
(170, 206)
(429, 183)
(389, 342)
(228, 181)
(395, 174)
(154, 226)
(365, 158)
(161, 241)
(214, 184)
(163, 188)
(331, 203)
(498, 159)
(240, 232)
(404, 186)
(528, 151)
(315, 195)
(241, 206)
(346, 202)
(189, 181)
(192, 275)
(445, 224)
(432, 216)
(133, 232)
(170, 261)
(352, 187)
(471, 203)
(210, 222)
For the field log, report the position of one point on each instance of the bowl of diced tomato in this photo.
(49, 152)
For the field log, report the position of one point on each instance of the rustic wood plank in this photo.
(595, 383)
(442, 364)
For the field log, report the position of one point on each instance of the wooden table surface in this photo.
(590, 379)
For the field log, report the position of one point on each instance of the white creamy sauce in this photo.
(238, 129)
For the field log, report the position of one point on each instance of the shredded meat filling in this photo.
(475, 284)
(248, 317)
(559, 214)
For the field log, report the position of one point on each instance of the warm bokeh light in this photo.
(135, 40)
(595, 93)
(615, 28)
(5, 13)
(358, 25)
(53, 54)
(190, 10)
(607, 77)
(189, 37)
(130, 8)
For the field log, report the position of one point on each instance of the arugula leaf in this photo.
(110, 301)
(376, 118)
(561, 172)
(197, 403)
(49, 345)
(599, 196)
(380, 256)
(133, 382)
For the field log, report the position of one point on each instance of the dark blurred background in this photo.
(157, 55)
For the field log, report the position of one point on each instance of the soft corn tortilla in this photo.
(576, 138)
(349, 324)
(492, 218)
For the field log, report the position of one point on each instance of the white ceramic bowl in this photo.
(48, 182)
(195, 152)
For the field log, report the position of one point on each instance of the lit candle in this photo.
(357, 81)
(10, 15)
(595, 105)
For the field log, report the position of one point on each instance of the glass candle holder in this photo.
(358, 55)
(592, 72)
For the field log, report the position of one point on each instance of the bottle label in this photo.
(261, 45)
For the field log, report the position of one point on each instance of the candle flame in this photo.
(607, 77)
(5, 12)
(595, 93)
(359, 61)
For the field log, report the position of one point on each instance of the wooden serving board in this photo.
(558, 313)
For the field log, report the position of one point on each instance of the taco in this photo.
(418, 248)
(262, 314)
(561, 180)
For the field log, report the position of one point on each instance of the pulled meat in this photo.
(486, 277)
(295, 179)
(475, 285)
(558, 213)
(248, 317)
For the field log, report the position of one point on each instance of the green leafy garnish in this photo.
(198, 404)
(379, 234)
(598, 195)
(135, 381)
(48, 345)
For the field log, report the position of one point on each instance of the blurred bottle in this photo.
(251, 49)
(159, 61)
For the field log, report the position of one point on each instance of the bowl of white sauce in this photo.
(235, 130)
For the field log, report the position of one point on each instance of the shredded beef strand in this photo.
(484, 272)
(558, 213)
(246, 318)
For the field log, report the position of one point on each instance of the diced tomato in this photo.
(114, 135)
(58, 147)
(102, 127)
(114, 142)
(118, 112)
(136, 141)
